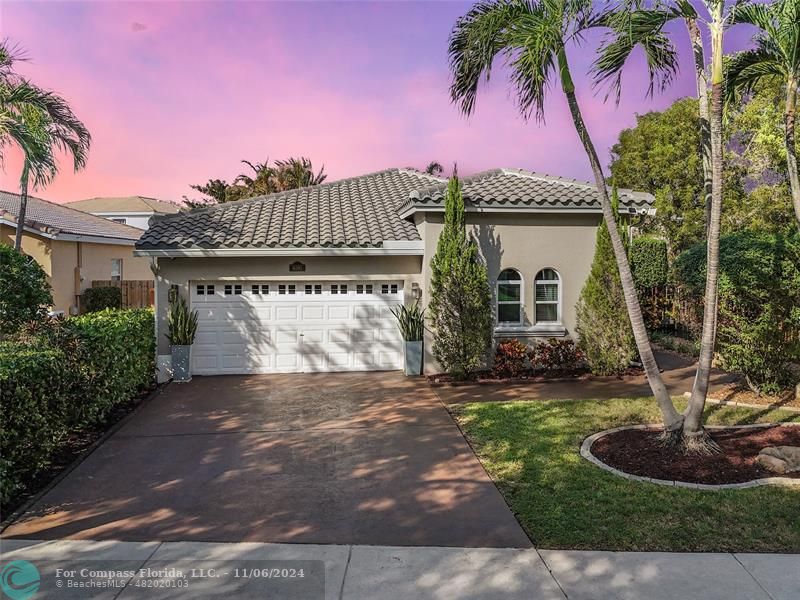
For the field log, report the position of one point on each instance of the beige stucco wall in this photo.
(182, 271)
(59, 260)
(528, 243)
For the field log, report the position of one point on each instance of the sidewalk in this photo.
(408, 573)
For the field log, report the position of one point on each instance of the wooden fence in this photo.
(135, 293)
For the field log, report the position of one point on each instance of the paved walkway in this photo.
(678, 374)
(401, 573)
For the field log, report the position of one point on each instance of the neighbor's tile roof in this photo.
(509, 188)
(356, 212)
(52, 218)
(125, 204)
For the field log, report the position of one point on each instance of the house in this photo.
(129, 210)
(74, 248)
(303, 280)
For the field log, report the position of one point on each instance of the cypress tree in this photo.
(604, 330)
(460, 305)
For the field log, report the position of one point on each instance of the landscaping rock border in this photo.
(586, 452)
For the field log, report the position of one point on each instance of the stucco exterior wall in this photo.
(60, 258)
(527, 243)
(182, 271)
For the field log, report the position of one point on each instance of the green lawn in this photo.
(531, 450)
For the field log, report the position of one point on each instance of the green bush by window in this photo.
(100, 298)
(648, 258)
(65, 376)
(24, 291)
(759, 304)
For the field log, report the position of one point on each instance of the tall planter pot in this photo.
(181, 363)
(413, 358)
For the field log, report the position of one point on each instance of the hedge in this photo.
(36, 389)
(68, 378)
(100, 298)
(759, 304)
(648, 257)
(24, 291)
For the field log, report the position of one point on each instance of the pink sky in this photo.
(176, 93)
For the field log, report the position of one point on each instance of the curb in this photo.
(10, 519)
(586, 452)
(793, 409)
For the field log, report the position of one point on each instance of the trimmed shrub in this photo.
(100, 298)
(115, 358)
(25, 293)
(61, 376)
(603, 327)
(758, 331)
(460, 305)
(36, 386)
(512, 358)
(557, 355)
(648, 258)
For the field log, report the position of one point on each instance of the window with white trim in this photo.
(547, 296)
(364, 288)
(116, 269)
(509, 297)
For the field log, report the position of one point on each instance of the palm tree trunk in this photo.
(694, 437)
(23, 206)
(672, 419)
(791, 148)
(696, 38)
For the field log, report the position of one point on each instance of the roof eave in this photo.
(407, 212)
(389, 248)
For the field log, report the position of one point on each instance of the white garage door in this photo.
(296, 326)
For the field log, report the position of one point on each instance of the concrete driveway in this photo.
(354, 458)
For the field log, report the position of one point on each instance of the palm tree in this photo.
(294, 173)
(776, 56)
(643, 27)
(434, 168)
(634, 25)
(532, 36)
(40, 123)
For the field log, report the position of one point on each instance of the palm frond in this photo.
(643, 28)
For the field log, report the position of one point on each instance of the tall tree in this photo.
(776, 56)
(661, 56)
(533, 37)
(41, 124)
(460, 305)
(288, 174)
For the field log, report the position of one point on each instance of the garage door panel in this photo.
(322, 331)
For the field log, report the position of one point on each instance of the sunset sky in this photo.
(176, 93)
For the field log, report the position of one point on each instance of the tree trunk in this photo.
(23, 207)
(694, 437)
(672, 419)
(701, 79)
(791, 148)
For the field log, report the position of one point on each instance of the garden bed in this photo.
(735, 393)
(639, 452)
(489, 378)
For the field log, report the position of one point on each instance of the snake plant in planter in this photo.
(411, 321)
(182, 324)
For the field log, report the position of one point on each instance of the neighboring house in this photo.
(74, 248)
(130, 210)
(303, 280)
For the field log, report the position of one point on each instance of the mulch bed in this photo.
(737, 393)
(489, 378)
(638, 452)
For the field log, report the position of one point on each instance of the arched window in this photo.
(547, 296)
(509, 297)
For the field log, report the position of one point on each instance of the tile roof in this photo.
(52, 218)
(363, 212)
(510, 188)
(360, 212)
(125, 204)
